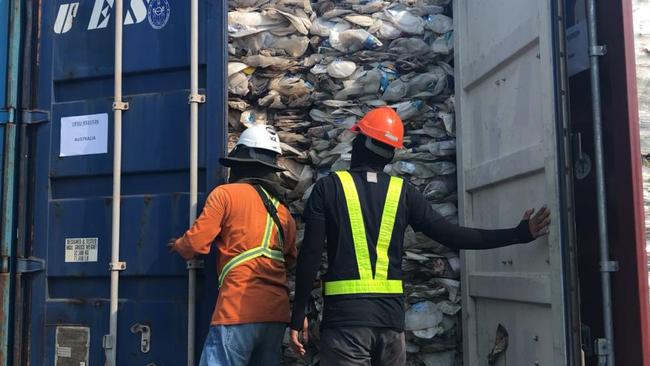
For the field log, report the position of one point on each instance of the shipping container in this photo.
(524, 127)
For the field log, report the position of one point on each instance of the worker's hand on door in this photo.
(539, 222)
(297, 342)
(170, 245)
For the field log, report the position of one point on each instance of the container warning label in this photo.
(81, 249)
(64, 352)
(72, 345)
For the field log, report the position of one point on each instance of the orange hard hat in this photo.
(384, 125)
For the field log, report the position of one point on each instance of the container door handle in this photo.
(145, 336)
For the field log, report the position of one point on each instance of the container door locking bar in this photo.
(604, 345)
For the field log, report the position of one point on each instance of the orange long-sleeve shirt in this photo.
(256, 291)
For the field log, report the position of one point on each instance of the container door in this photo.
(508, 162)
(72, 164)
(4, 45)
(5, 276)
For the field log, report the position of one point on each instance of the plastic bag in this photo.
(294, 46)
(397, 90)
(438, 189)
(405, 21)
(299, 20)
(340, 69)
(368, 83)
(410, 46)
(277, 63)
(353, 40)
(422, 315)
(371, 7)
(290, 85)
(409, 109)
(385, 30)
(238, 84)
(246, 23)
(361, 20)
(444, 44)
(447, 358)
(439, 23)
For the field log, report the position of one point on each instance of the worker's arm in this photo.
(290, 251)
(309, 260)
(206, 228)
(424, 219)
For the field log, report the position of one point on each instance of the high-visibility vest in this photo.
(263, 250)
(367, 283)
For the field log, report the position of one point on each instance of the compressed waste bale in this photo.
(312, 69)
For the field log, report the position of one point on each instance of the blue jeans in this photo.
(243, 344)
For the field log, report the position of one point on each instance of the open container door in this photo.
(509, 156)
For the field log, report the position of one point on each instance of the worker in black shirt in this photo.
(363, 214)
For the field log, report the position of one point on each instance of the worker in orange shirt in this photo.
(255, 239)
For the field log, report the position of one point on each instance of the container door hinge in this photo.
(602, 349)
(609, 266)
(598, 50)
(30, 265)
(120, 106)
(194, 264)
(107, 341)
(4, 116)
(117, 266)
(196, 98)
(32, 117)
(4, 264)
(582, 161)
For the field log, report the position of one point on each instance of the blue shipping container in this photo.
(72, 180)
(4, 277)
(4, 44)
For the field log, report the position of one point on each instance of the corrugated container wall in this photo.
(70, 178)
(4, 273)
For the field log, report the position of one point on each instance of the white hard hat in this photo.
(258, 144)
(261, 137)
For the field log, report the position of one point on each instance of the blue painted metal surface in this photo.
(4, 46)
(10, 19)
(72, 195)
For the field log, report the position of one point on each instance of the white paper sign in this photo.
(81, 249)
(65, 352)
(577, 48)
(84, 135)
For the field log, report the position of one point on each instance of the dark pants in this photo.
(368, 346)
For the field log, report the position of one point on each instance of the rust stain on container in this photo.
(4, 289)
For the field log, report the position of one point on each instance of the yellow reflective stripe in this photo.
(386, 227)
(274, 254)
(346, 287)
(239, 259)
(266, 239)
(262, 250)
(379, 284)
(356, 225)
(269, 220)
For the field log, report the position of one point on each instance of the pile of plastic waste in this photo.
(312, 69)
(642, 45)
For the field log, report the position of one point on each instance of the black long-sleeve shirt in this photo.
(323, 217)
